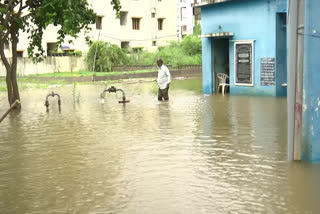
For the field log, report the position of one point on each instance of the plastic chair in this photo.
(222, 81)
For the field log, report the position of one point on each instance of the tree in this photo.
(105, 55)
(33, 17)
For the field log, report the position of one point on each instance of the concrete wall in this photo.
(253, 20)
(73, 63)
(49, 65)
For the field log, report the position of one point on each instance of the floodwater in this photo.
(193, 154)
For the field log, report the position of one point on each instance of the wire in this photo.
(147, 39)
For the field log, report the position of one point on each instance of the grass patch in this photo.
(87, 73)
(26, 83)
(31, 81)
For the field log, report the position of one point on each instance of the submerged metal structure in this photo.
(52, 94)
(113, 89)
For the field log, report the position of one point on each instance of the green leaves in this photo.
(71, 15)
(2, 10)
(105, 56)
(116, 7)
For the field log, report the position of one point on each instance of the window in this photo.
(153, 12)
(123, 17)
(99, 22)
(125, 45)
(20, 54)
(243, 69)
(160, 24)
(136, 50)
(184, 28)
(51, 48)
(154, 43)
(136, 23)
(183, 13)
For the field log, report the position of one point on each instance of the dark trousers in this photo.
(163, 93)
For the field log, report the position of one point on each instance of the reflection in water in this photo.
(193, 154)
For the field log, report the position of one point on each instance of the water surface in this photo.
(193, 154)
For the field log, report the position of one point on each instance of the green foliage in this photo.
(186, 52)
(191, 45)
(78, 53)
(34, 16)
(142, 58)
(105, 55)
(197, 30)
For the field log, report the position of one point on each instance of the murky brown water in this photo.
(195, 154)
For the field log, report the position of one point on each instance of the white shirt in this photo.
(164, 77)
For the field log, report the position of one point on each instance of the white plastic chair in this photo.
(222, 81)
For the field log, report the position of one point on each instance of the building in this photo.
(247, 40)
(188, 17)
(143, 25)
(185, 17)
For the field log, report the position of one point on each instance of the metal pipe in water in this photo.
(52, 94)
(114, 90)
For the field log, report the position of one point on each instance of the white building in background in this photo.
(188, 17)
(143, 25)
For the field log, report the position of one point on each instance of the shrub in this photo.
(107, 55)
(191, 45)
(78, 53)
(186, 52)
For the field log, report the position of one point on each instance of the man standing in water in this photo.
(164, 79)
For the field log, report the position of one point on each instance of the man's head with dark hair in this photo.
(159, 62)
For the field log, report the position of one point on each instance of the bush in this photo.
(191, 45)
(186, 52)
(107, 55)
(142, 58)
(78, 53)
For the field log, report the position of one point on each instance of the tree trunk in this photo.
(8, 69)
(11, 68)
(9, 86)
(13, 74)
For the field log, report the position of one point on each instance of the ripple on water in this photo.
(193, 154)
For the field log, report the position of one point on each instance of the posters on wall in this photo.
(243, 64)
(267, 71)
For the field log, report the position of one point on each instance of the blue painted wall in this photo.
(207, 66)
(311, 88)
(248, 20)
(282, 6)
